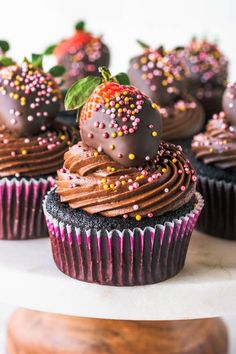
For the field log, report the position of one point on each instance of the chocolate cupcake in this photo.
(214, 156)
(125, 203)
(206, 73)
(32, 146)
(81, 55)
(160, 75)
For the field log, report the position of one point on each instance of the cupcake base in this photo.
(21, 214)
(121, 257)
(218, 216)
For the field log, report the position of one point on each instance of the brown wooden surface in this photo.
(32, 332)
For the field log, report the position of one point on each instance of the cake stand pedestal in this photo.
(205, 289)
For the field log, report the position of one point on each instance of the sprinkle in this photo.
(105, 186)
(150, 215)
(95, 154)
(182, 188)
(166, 190)
(114, 135)
(132, 156)
(120, 133)
(174, 160)
(135, 207)
(138, 217)
(125, 216)
(164, 170)
(112, 146)
(24, 152)
(104, 180)
(112, 185)
(154, 133)
(155, 106)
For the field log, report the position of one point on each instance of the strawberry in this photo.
(117, 118)
(229, 103)
(159, 74)
(81, 55)
(29, 98)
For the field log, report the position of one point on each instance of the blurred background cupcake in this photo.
(115, 193)
(160, 74)
(214, 156)
(206, 73)
(32, 146)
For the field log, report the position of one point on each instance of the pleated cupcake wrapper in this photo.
(21, 214)
(130, 257)
(218, 217)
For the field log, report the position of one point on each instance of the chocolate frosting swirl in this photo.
(217, 145)
(37, 155)
(95, 183)
(182, 120)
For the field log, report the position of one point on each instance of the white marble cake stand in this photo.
(205, 288)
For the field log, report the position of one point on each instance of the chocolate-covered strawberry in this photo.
(29, 99)
(116, 117)
(229, 103)
(159, 74)
(81, 55)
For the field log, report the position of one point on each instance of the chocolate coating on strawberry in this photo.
(159, 74)
(29, 99)
(229, 103)
(123, 123)
(81, 55)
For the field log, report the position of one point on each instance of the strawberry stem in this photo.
(80, 26)
(106, 74)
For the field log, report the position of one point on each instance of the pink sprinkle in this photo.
(182, 188)
(150, 215)
(166, 190)
(135, 185)
(135, 207)
(125, 216)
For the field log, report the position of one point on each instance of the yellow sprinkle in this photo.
(114, 135)
(132, 105)
(126, 99)
(113, 169)
(107, 105)
(30, 66)
(143, 60)
(69, 142)
(16, 83)
(155, 106)
(138, 217)
(154, 133)
(112, 185)
(105, 186)
(11, 94)
(30, 72)
(16, 96)
(137, 178)
(164, 83)
(225, 141)
(164, 170)
(95, 154)
(22, 87)
(108, 168)
(211, 150)
(125, 93)
(117, 105)
(62, 137)
(104, 180)
(132, 156)
(174, 160)
(123, 182)
(112, 146)
(24, 152)
(120, 133)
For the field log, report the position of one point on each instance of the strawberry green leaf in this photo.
(143, 44)
(4, 45)
(80, 26)
(57, 70)
(49, 50)
(78, 94)
(5, 61)
(122, 78)
(37, 60)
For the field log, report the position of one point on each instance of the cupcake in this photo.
(160, 75)
(206, 73)
(214, 156)
(32, 146)
(125, 203)
(81, 55)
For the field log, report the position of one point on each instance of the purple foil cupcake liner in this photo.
(218, 217)
(122, 258)
(21, 214)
